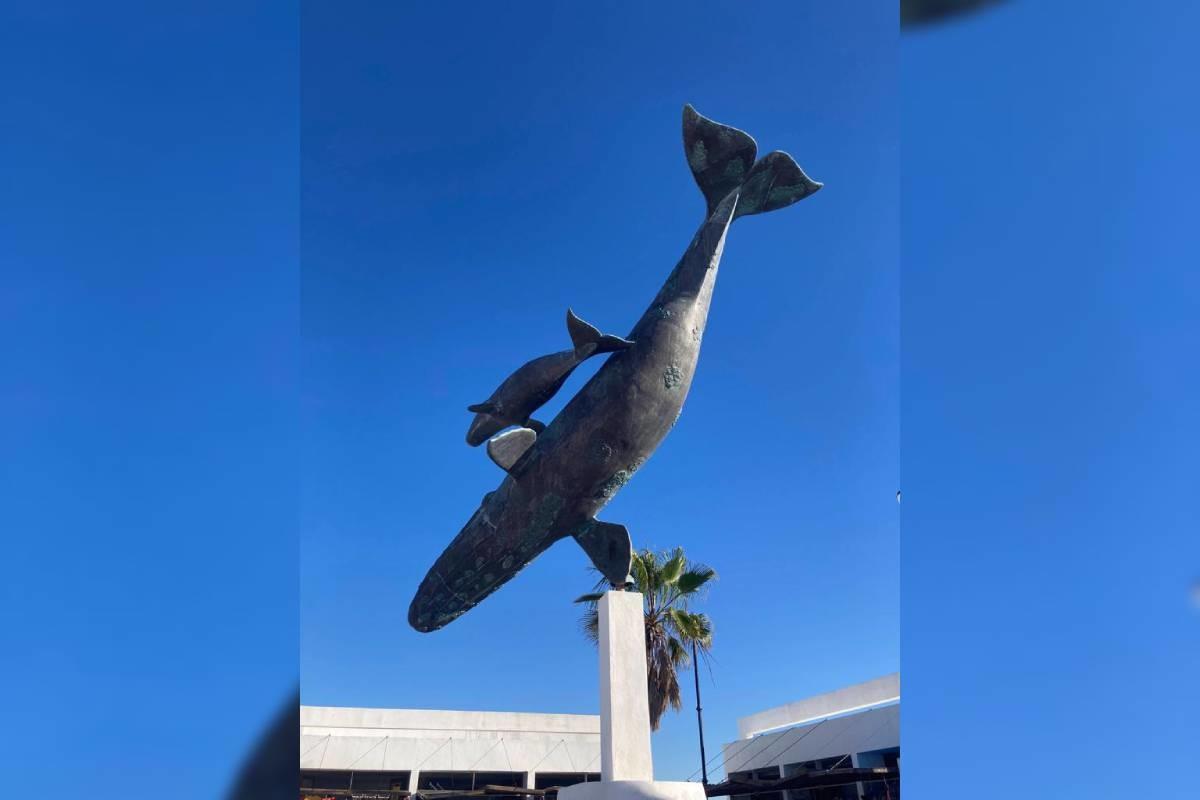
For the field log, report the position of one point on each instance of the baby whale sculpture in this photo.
(532, 386)
(559, 479)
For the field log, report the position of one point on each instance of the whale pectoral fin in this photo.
(609, 547)
(719, 156)
(507, 448)
(483, 408)
(535, 426)
(775, 182)
(589, 341)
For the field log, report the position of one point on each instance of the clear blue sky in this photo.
(154, 429)
(1050, 307)
(148, 396)
(463, 184)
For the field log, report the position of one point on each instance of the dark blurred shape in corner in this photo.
(271, 769)
(920, 12)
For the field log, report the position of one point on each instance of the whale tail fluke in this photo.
(776, 181)
(722, 161)
(589, 341)
(719, 156)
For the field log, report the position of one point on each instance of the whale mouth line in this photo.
(484, 427)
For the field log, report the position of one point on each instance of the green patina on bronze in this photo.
(672, 376)
(614, 483)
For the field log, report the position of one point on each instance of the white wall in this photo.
(854, 719)
(840, 701)
(874, 729)
(456, 741)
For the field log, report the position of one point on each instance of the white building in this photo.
(857, 726)
(370, 752)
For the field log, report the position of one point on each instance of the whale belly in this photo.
(511, 527)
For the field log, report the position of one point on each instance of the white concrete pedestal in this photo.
(626, 764)
(633, 790)
(624, 700)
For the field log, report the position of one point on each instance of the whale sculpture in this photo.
(559, 480)
(535, 382)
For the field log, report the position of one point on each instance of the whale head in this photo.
(484, 427)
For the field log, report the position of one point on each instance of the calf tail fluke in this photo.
(722, 162)
(589, 341)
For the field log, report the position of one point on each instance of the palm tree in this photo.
(668, 583)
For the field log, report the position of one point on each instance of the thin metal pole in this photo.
(699, 718)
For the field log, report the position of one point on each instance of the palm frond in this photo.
(695, 577)
(590, 623)
(690, 627)
(662, 679)
(640, 569)
(679, 654)
(673, 568)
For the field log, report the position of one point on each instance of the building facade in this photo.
(372, 753)
(857, 726)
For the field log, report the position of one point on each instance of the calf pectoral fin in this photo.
(483, 408)
(609, 547)
(508, 447)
